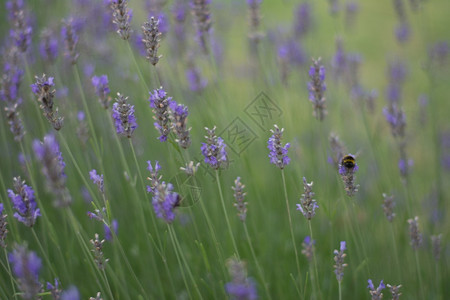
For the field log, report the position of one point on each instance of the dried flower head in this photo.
(316, 88)
(414, 233)
(239, 196)
(388, 207)
(307, 205)
(43, 88)
(121, 18)
(395, 291)
(97, 244)
(190, 168)
(151, 38)
(178, 114)
(123, 115)
(339, 261)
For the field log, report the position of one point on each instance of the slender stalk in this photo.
(44, 253)
(179, 261)
(260, 271)
(10, 273)
(340, 290)
(316, 275)
(394, 243)
(226, 214)
(107, 284)
(419, 275)
(291, 229)
(137, 66)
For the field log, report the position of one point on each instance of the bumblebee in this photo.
(348, 161)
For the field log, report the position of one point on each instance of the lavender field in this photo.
(235, 149)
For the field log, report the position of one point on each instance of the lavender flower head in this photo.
(48, 46)
(254, 19)
(160, 104)
(395, 291)
(164, 201)
(347, 170)
(239, 195)
(43, 88)
(302, 19)
(178, 117)
(102, 90)
(154, 178)
(190, 168)
(388, 207)
(70, 37)
(97, 245)
(3, 230)
(240, 286)
(123, 115)
(24, 202)
(317, 88)
(214, 150)
(21, 30)
(197, 82)
(48, 153)
(339, 261)
(97, 180)
(121, 18)
(202, 19)
(26, 266)
(151, 39)
(278, 153)
(307, 205)
(414, 233)
(308, 247)
(376, 294)
(71, 293)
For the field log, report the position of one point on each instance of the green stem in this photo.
(260, 271)
(291, 229)
(226, 214)
(419, 275)
(340, 290)
(316, 276)
(137, 66)
(394, 244)
(10, 273)
(107, 284)
(179, 261)
(44, 253)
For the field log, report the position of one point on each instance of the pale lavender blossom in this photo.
(239, 196)
(70, 37)
(164, 201)
(123, 115)
(121, 18)
(202, 19)
(414, 233)
(307, 205)
(151, 38)
(71, 293)
(178, 115)
(376, 294)
(3, 223)
(316, 88)
(110, 229)
(43, 89)
(339, 261)
(278, 154)
(214, 150)
(160, 103)
(155, 177)
(97, 179)
(54, 290)
(101, 86)
(308, 247)
(48, 46)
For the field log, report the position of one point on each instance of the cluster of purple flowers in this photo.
(178, 116)
(123, 115)
(48, 153)
(214, 150)
(164, 199)
(151, 38)
(20, 25)
(97, 180)
(102, 90)
(278, 153)
(160, 103)
(121, 18)
(24, 202)
(376, 294)
(48, 46)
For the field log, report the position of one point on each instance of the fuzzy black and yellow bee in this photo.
(348, 161)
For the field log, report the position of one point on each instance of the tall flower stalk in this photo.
(43, 89)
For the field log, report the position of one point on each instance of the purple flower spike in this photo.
(3, 230)
(339, 261)
(308, 205)
(48, 47)
(121, 18)
(24, 203)
(48, 153)
(26, 266)
(347, 170)
(316, 88)
(178, 116)
(43, 89)
(101, 86)
(164, 201)
(160, 104)
(154, 178)
(278, 153)
(151, 39)
(202, 18)
(123, 115)
(97, 179)
(108, 233)
(214, 150)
